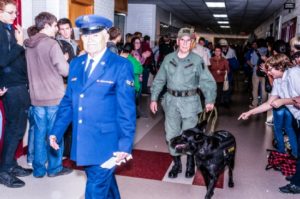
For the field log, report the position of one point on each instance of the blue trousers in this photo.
(30, 149)
(44, 117)
(101, 183)
(296, 178)
(283, 119)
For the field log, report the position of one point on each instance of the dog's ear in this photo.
(202, 126)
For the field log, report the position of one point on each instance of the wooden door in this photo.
(78, 8)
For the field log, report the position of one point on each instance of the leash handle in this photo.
(211, 118)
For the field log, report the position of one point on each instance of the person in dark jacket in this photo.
(114, 38)
(66, 40)
(13, 76)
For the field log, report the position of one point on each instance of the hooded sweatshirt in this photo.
(46, 66)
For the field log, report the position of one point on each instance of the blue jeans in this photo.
(283, 119)
(30, 146)
(296, 178)
(44, 117)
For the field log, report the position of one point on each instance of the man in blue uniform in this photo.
(100, 102)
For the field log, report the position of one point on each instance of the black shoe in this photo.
(290, 188)
(177, 167)
(20, 171)
(64, 171)
(190, 166)
(10, 180)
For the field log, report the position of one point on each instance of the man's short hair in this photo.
(146, 38)
(63, 21)
(44, 18)
(114, 32)
(3, 3)
(31, 31)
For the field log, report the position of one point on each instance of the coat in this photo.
(102, 109)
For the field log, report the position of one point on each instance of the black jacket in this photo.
(13, 71)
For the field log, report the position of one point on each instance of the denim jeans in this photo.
(296, 178)
(283, 119)
(30, 145)
(16, 102)
(44, 117)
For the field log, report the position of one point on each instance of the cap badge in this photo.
(86, 18)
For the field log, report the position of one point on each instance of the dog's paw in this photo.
(230, 184)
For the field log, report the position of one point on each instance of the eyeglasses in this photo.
(12, 12)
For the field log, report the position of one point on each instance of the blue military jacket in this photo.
(102, 109)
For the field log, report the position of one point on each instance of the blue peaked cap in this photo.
(90, 24)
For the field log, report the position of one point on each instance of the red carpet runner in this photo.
(150, 165)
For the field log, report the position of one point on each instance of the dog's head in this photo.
(189, 140)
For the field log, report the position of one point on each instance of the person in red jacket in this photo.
(219, 66)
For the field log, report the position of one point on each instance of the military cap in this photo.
(89, 24)
(185, 32)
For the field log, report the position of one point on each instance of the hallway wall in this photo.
(284, 15)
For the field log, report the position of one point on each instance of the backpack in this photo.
(281, 162)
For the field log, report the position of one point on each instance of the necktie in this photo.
(88, 70)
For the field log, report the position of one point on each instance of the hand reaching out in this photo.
(3, 91)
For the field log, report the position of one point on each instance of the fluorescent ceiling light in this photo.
(220, 15)
(225, 26)
(215, 4)
(223, 22)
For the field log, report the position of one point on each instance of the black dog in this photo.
(212, 153)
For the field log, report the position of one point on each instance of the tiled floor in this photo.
(251, 180)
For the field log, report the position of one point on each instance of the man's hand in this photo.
(296, 101)
(66, 55)
(19, 35)
(244, 116)
(209, 107)
(277, 103)
(122, 157)
(3, 91)
(53, 142)
(153, 107)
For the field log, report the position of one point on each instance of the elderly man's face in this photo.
(95, 43)
(184, 44)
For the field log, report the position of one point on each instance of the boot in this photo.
(190, 166)
(177, 167)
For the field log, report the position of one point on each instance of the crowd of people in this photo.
(49, 81)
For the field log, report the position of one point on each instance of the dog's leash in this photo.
(210, 117)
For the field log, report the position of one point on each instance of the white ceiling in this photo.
(243, 15)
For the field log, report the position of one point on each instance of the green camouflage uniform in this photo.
(185, 74)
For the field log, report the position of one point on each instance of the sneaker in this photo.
(269, 123)
(10, 180)
(290, 188)
(19, 171)
(64, 171)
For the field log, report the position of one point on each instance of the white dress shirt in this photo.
(96, 59)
